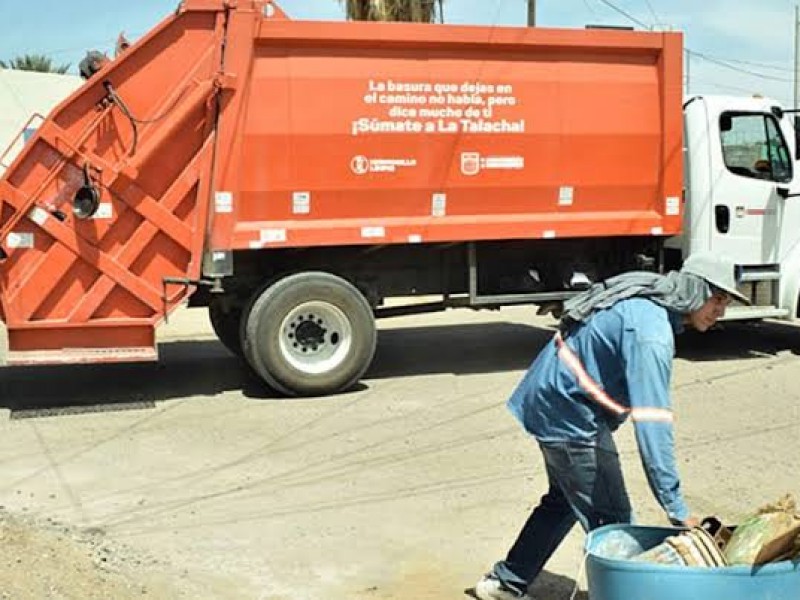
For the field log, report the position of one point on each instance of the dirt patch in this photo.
(47, 560)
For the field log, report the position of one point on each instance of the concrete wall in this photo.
(23, 93)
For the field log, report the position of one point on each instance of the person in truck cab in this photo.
(610, 359)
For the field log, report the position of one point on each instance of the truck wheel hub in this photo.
(309, 333)
(316, 337)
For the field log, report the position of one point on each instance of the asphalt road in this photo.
(408, 487)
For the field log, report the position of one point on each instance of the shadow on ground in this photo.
(548, 586)
(457, 349)
(738, 341)
(192, 368)
(205, 368)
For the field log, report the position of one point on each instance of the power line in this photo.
(626, 15)
(724, 62)
(738, 90)
(589, 8)
(732, 67)
(758, 64)
(75, 49)
(84, 47)
(726, 86)
(652, 12)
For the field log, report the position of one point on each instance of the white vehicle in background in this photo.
(742, 198)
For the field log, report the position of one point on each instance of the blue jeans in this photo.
(586, 485)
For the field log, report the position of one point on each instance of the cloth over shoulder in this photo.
(676, 291)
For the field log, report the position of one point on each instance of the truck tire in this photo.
(309, 334)
(227, 325)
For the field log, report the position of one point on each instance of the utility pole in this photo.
(688, 69)
(796, 57)
(531, 13)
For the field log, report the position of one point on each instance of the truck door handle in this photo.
(784, 192)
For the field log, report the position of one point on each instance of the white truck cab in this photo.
(742, 197)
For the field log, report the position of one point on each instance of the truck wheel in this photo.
(310, 334)
(227, 325)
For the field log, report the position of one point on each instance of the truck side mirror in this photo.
(796, 126)
(783, 192)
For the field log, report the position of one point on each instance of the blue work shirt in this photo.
(627, 350)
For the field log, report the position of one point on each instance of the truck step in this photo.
(75, 356)
(743, 313)
(761, 274)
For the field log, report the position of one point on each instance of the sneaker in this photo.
(491, 588)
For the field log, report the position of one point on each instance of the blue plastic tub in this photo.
(620, 579)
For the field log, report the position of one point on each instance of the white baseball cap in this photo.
(717, 271)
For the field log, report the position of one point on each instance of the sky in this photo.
(734, 46)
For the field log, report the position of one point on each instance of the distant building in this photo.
(22, 94)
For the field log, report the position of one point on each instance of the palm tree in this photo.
(418, 11)
(34, 62)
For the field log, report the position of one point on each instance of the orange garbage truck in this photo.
(293, 176)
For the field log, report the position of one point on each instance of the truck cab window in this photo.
(779, 155)
(753, 146)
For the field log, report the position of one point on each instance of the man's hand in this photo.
(689, 522)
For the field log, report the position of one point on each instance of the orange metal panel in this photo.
(461, 39)
(438, 125)
(143, 236)
(93, 290)
(265, 234)
(74, 356)
(242, 27)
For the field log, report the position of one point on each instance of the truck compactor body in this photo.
(294, 176)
